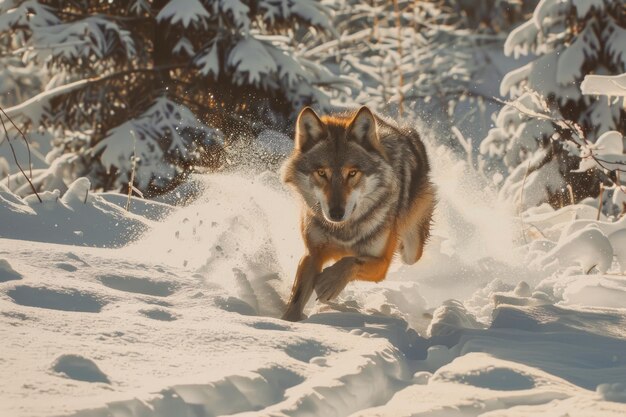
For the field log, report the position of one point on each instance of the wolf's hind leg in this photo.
(414, 230)
(302, 289)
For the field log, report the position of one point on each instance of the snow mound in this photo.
(612, 392)
(451, 316)
(79, 368)
(600, 291)
(77, 218)
(7, 273)
(618, 241)
(483, 371)
(587, 248)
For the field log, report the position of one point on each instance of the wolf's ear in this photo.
(309, 129)
(362, 129)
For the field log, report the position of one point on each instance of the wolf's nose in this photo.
(336, 213)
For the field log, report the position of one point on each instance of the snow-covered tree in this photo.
(495, 16)
(401, 51)
(164, 70)
(18, 81)
(417, 58)
(570, 38)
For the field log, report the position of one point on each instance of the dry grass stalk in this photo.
(132, 170)
(570, 190)
(521, 202)
(600, 201)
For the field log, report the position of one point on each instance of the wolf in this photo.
(365, 193)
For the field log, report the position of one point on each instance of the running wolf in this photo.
(366, 195)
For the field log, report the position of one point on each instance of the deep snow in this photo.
(184, 321)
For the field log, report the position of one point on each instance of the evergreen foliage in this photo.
(570, 39)
(186, 76)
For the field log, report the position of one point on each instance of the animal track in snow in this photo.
(7, 273)
(305, 350)
(267, 325)
(157, 301)
(132, 284)
(65, 299)
(75, 257)
(79, 368)
(235, 305)
(158, 314)
(502, 379)
(66, 267)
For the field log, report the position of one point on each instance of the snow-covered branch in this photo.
(606, 85)
(33, 107)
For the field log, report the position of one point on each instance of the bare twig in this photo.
(30, 164)
(6, 132)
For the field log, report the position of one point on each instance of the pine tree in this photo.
(169, 72)
(570, 39)
(417, 58)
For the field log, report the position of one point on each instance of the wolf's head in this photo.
(338, 163)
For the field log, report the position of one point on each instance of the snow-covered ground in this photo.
(183, 321)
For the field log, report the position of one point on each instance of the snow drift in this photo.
(183, 320)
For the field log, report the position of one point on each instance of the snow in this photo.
(583, 7)
(191, 11)
(251, 57)
(143, 138)
(608, 85)
(34, 108)
(209, 62)
(616, 41)
(521, 39)
(587, 248)
(183, 45)
(185, 316)
(606, 153)
(78, 218)
(82, 38)
(570, 65)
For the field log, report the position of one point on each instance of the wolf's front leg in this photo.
(302, 289)
(332, 280)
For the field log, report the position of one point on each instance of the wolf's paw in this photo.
(329, 284)
(293, 315)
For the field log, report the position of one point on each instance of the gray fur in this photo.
(392, 198)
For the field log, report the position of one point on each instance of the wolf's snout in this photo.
(336, 213)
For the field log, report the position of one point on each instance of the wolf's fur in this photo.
(366, 195)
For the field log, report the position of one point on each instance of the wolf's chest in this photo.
(359, 245)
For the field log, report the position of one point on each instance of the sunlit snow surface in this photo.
(184, 321)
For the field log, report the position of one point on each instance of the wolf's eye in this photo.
(321, 172)
(352, 173)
